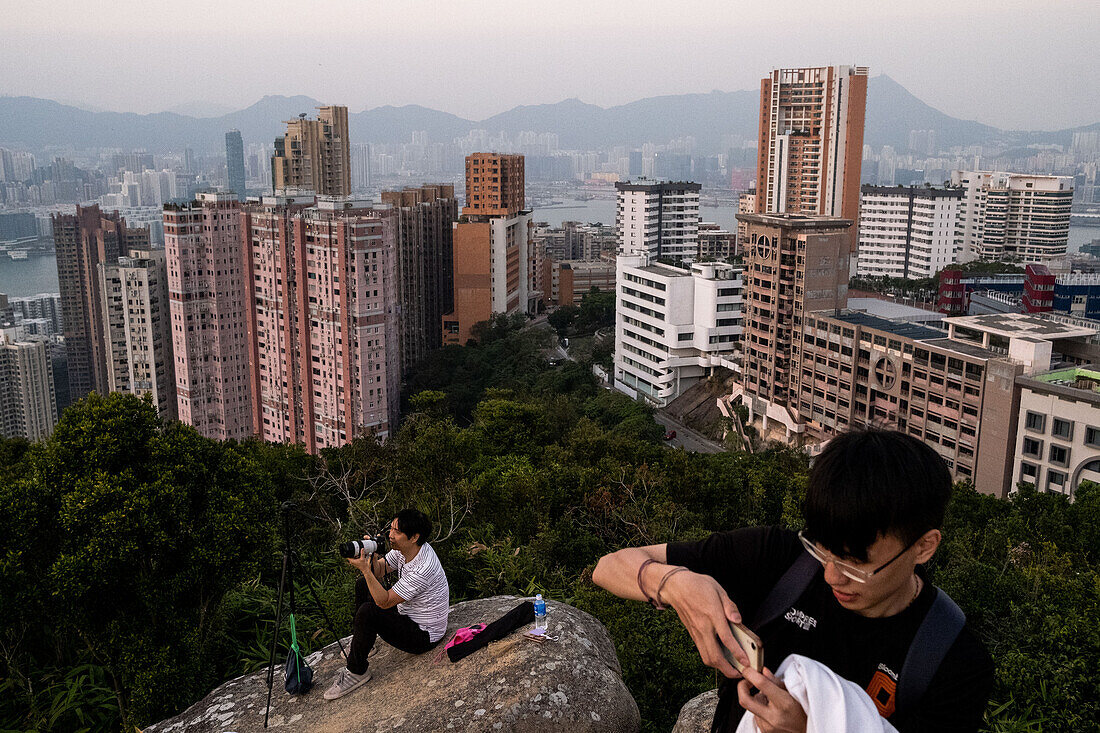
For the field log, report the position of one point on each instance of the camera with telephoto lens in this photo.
(376, 543)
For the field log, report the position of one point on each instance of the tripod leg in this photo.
(275, 637)
(324, 614)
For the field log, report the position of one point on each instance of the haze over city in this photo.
(207, 57)
(715, 329)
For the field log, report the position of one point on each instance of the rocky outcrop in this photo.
(697, 713)
(572, 684)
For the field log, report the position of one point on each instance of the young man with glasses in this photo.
(849, 591)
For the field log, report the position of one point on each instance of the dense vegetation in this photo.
(138, 562)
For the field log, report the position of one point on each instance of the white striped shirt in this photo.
(423, 585)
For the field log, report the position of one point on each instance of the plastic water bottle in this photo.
(540, 614)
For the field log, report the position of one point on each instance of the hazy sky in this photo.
(1011, 63)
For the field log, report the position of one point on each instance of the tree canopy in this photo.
(139, 561)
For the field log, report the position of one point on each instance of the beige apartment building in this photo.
(859, 370)
(794, 264)
(746, 204)
(314, 155)
(1058, 437)
(27, 406)
(715, 243)
(495, 266)
(137, 327)
(1012, 216)
(958, 391)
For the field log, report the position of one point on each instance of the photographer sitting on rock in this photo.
(410, 616)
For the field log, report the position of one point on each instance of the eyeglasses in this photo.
(847, 569)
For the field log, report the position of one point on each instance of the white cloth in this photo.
(832, 703)
(423, 585)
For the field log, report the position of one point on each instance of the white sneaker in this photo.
(346, 682)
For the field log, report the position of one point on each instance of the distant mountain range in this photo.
(42, 125)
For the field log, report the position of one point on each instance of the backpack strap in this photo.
(790, 586)
(784, 593)
(937, 633)
(941, 626)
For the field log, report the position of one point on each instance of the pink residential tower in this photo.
(322, 319)
(208, 299)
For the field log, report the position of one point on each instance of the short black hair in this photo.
(413, 521)
(872, 482)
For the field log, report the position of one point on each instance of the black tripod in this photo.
(286, 583)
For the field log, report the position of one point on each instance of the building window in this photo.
(1062, 428)
(1029, 472)
(1033, 447)
(1056, 481)
(1092, 436)
(1059, 455)
(1035, 421)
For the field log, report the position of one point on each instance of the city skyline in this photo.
(949, 53)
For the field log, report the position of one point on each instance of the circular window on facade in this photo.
(763, 248)
(886, 374)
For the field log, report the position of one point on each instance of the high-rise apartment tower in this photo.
(658, 218)
(322, 320)
(84, 241)
(810, 148)
(495, 267)
(27, 408)
(208, 296)
(794, 264)
(137, 322)
(314, 155)
(1013, 216)
(494, 185)
(424, 219)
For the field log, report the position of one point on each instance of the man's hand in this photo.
(362, 563)
(706, 612)
(775, 709)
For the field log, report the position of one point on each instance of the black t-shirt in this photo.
(868, 651)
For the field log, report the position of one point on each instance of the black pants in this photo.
(370, 622)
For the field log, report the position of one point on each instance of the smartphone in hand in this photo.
(752, 645)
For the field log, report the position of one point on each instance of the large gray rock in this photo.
(697, 713)
(573, 684)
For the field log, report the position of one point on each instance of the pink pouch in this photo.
(464, 634)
